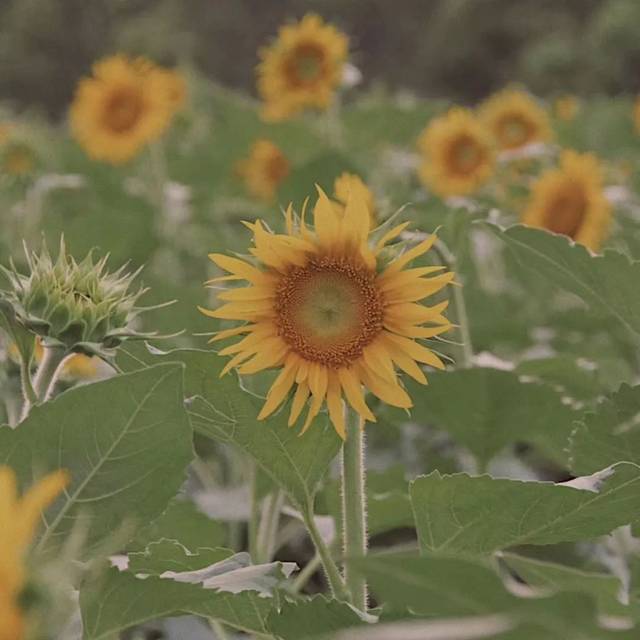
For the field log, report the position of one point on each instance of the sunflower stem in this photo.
(354, 508)
(336, 584)
(46, 377)
(268, 529)
(254, 520)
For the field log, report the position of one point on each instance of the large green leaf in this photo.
(551, 576)
(126, 443)
(120, 600)
(478, 515)
(221, 409)
(609, 434)
(498, 409)
(315, 618)
(607, 282)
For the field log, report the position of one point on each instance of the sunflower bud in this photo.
(79, 306)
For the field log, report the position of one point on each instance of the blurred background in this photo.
(456, 49)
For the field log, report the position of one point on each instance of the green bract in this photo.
(77, 305)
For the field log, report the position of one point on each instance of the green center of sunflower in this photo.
(566, 209)
(465, 155)
(305, 65)
(123, 109)
(329, 311)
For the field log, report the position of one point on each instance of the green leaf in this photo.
(126, 443)
(184, 523)
(607, 282)
(315, 618)
(499, 409)
(609, 434)
(556, 577)
(120, 600)
(221, 409)
(170, 555)
(479, 515)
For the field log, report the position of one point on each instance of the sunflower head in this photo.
(345, 183)
(515, 119)
(323, 307)
(566, 108)
(175, 86)
(264, 170)
(18, 159)
(20, 517)
(570, 200)
(457, 153)
(302, 68)
(636, 114)
(76, 305)
(125, 105)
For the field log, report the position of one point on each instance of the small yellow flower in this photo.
(19, 518)
(264, 170)
(325, 308)
(125, 105)
(302, 68)
(176, 87)
(566, 108)
(515, 119)
(457, 154)
(345, 183)
(570, 200)
(17, 159)
(636, 114)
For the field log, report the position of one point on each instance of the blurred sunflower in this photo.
(515, 119)
(457, 152)
(124, 106)
(264, 170)
(344, 184)
(5, 130)
(636, 114)
(302, 68)
(570, 200)
(326, 309)
(17, 159)
(566, 108)
(176, 87)
(19, 517)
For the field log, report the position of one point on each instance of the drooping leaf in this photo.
(609, 434)
(221, 409)
(606, 282)
(479, 515)
(126, 443)
(499, 409)
(316, 618)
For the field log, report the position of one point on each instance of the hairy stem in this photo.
(354, 508)
(334, 578)
(46, 377)
(268, 529)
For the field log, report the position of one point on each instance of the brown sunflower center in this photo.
(566, 209)
(123, 109)
(465, 155)
(305, 65)
(515, 131)
(329, 311)
(277, 168)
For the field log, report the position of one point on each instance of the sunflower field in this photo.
(326, 361)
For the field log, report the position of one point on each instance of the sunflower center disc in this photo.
(466, 155)
(566, 210)
(122, 110)
(306, 64)
(329, 311)
(514, 131)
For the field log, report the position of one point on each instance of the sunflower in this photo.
(566, 108)
(515, 119)
(175, 87)
(19, 517)
(302, 68)
(264, 170)
(325, 308)
(17, 159)
(124, 106)
(347, 182)
(636, 114)
(570, 200)
(457, 152)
